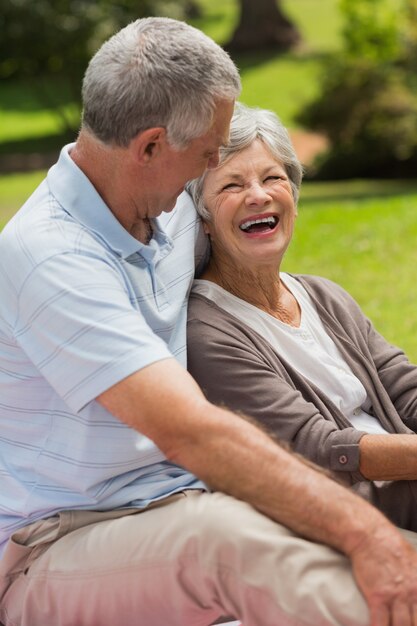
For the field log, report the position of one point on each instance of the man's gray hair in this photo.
(247, 125)
(156, 72)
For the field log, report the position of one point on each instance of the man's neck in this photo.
(107, 168)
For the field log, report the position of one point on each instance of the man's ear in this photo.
(147, 145)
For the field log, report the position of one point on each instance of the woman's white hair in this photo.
(156, 72)
(247, 125)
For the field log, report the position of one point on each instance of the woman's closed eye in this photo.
(274, 177)
(231, 186)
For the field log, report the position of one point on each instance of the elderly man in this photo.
(126, 498)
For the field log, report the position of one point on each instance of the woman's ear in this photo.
(206, 228)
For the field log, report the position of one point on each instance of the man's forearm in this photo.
(237, 458)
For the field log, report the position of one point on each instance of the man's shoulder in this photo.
(37, 227)
(41, 230)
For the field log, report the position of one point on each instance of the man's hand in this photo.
(385, 568)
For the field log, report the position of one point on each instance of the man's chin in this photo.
(170, 206)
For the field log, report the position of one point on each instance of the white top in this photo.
(308, 349)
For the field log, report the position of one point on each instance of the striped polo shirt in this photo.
(83, 305)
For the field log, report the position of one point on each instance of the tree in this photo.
(48, 43)
(368, 103)
(263, 25)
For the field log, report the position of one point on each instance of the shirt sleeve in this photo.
(81, 330)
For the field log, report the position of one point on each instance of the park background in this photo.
(344, 84)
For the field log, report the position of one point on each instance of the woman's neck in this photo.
(261, 287)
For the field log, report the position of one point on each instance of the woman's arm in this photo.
(397, 374)
(385, 366)
(240, 371)
(388, 457)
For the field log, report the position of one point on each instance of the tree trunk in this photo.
(263, 25)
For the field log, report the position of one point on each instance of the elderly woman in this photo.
(295, 352)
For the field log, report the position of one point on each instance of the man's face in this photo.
(180, 166)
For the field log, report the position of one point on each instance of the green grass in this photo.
(362, 235)
(14, 190)
(283, 85)
(23, 116)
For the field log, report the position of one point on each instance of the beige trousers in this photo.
(183, 562)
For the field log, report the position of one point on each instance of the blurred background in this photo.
(342, 76)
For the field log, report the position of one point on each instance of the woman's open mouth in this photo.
(259, 225)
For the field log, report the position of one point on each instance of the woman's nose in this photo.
(257, 194)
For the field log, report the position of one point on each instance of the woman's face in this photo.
(251, 206)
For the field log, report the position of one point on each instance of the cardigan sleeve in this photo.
(383, 368)
(235, 369)
(397, 374)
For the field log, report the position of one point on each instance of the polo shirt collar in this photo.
(77, 195)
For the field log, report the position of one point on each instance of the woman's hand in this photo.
(388, 457)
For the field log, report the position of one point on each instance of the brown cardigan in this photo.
(237, 367)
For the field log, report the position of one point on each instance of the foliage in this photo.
(368, 101)
(49, 42)
(371, 29)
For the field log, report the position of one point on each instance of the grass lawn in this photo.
(14, 190)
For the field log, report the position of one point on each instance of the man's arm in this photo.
(231, 455)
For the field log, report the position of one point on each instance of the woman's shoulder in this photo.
(203, 309)
(330, 296)
(321, 285)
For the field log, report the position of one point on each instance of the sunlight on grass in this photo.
(319, 22)
(283, 85)
(14, 190)
(218, 19)
(23, 116)
(18, 124)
